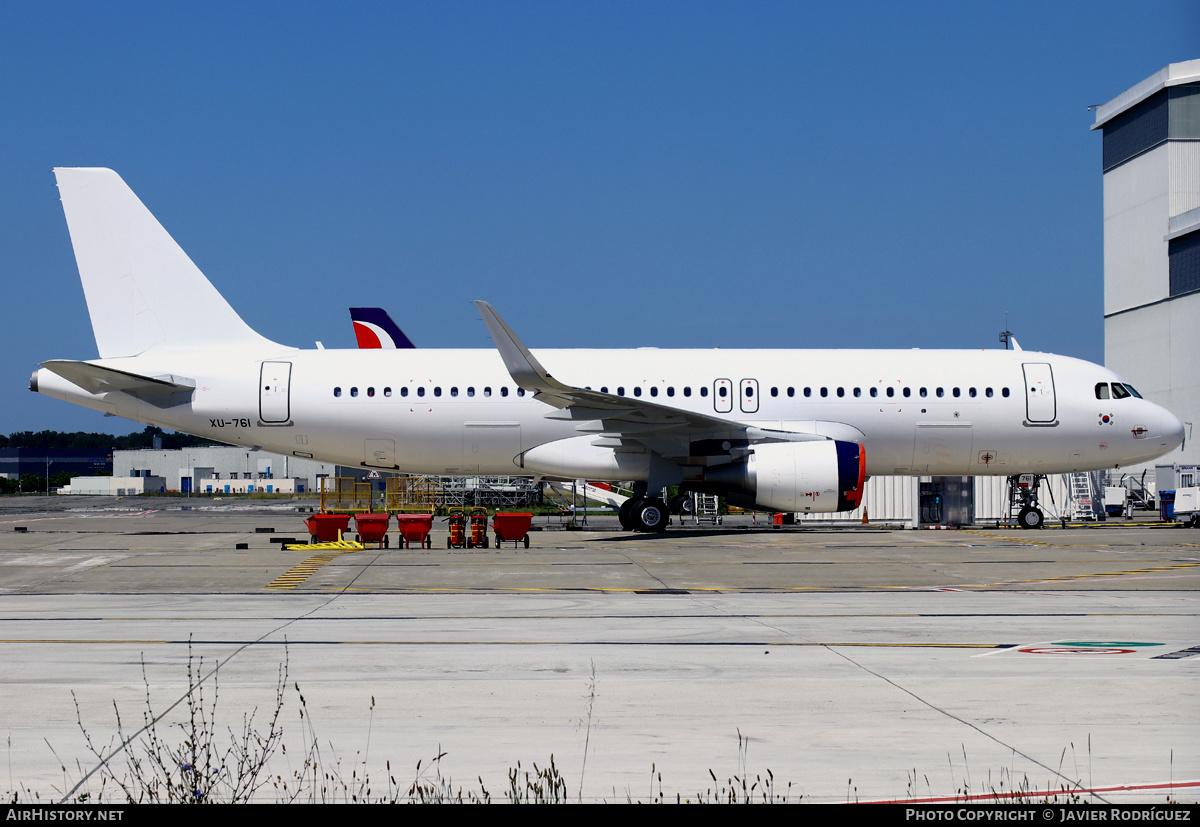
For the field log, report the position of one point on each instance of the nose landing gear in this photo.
(1023, 500)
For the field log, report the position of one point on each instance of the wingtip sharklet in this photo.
(522, 366)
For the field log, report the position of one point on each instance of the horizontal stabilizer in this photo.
(162, 392)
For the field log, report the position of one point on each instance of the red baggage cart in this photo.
(415, 528)
(373, 528)
(326, 528)
(512, 528)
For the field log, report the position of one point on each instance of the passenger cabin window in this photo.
(954, 393)
(520, 391)
(808, 391)
(923, 392)
(824, 391)
(620, 391)
(504, 391)
(653, 390)
(724, 391)
(774, 391)
(437, 391)
(907, 393)
(988, 393)
(420, 391)
(670, 391)
(1004, 392)
(454, 391)
(687, 391)
(387, 391)
(874, 392)
(841, 392)
(891, 391)
(404, 391)
(940, 392)
(354, 391)
(487, 391)
(857, 392)
(337, 391)
(971, 393)
(637, 391)
(704, 391)
(370, 391)
(791, 391)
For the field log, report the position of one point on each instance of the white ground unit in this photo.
(1152, 244)
(898, 500)
(192, 468)
(115, 486)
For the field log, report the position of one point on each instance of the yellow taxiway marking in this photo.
(1002, 537)
(1117, 573)
(297, 574)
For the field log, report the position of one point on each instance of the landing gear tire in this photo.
(683, 505)
(651, 515)
(625, 514)
(1030, 518)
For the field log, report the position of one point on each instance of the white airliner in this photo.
(783, 430)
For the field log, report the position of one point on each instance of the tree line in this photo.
(81, 441)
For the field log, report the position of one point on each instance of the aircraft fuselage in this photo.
(459, 412)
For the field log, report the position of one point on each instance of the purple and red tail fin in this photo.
(374, 328)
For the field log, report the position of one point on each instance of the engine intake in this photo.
(813, 477)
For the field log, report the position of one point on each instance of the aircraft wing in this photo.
(162, 392)
(664, 428)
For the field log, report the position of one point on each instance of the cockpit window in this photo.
(1119, 391)
(1102, 390)
(1133, 390)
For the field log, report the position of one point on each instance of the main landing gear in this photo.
(642, 513)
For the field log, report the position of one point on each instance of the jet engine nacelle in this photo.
(578, 458)
(823, 476)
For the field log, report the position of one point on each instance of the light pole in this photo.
(49, 462)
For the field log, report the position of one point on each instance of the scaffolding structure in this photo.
(505, 492)
(426, 494)
(345, 494)
(416, 494)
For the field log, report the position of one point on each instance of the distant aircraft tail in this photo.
(142, 290)
(374, 328)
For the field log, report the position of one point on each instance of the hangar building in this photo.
(1151, 163)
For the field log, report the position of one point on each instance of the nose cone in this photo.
(1171, 429)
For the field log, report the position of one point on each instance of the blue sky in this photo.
(606, 174)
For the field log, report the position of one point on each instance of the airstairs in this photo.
(1087, 502)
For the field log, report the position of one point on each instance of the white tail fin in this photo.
(142, 290)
